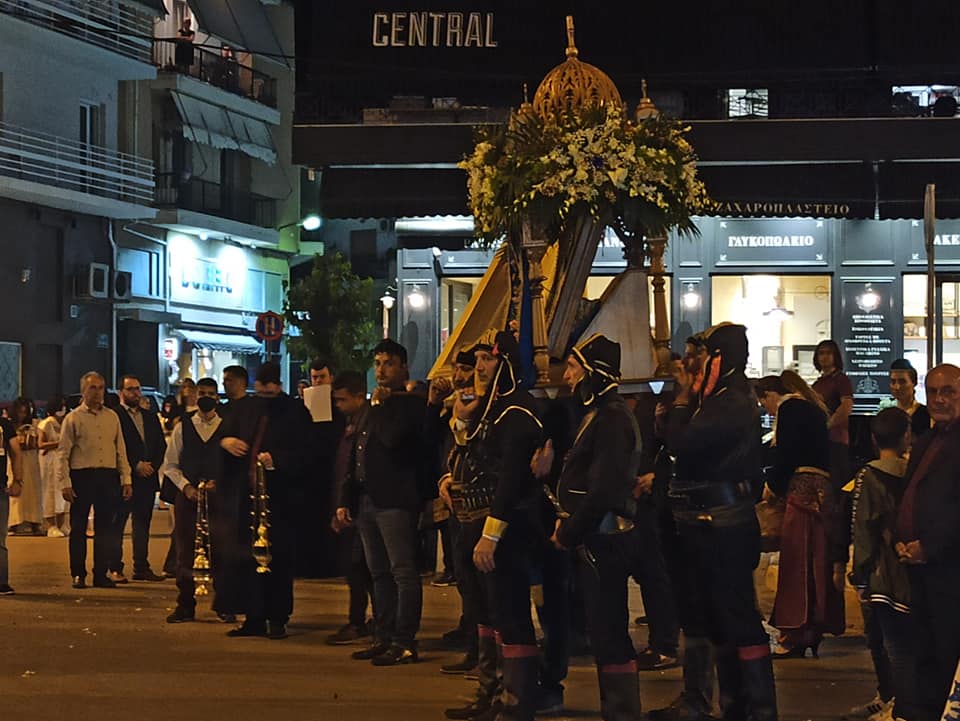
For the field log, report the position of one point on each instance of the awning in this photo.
(815, 190)
(392, 192)
(223, 129)
(242, 23)
(157, 8)
(902, 185)
(241, 344)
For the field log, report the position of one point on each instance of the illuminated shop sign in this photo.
(785, 209)
(796, 241)
(946, 243)
(206, 273)
(866, 334)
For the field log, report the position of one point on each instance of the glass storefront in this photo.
(785, 315)
(947, 346)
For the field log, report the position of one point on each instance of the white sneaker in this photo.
(868, 710)
(54, 532)
(884, 714)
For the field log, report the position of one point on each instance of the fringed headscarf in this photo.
(600, 358)
(726, 356)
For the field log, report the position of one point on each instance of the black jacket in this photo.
(600, 470)
(395, 458)
(501, 449)
(936, 505)
(722, 441)
(802, 440)
(151, 447)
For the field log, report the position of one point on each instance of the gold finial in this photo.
(572, 51)
(646, 108)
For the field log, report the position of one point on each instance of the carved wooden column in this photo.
(535, 245)
(661, 332)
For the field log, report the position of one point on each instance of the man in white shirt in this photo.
(93, 471)
(192, 461)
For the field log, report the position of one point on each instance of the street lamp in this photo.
(309, 223)
(387, 301)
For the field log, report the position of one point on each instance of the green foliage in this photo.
(334, 310)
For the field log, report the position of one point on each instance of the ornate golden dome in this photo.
(574, 85)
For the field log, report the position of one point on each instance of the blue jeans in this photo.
(4, 520)
(389, 537)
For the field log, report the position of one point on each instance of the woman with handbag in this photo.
(809, 599)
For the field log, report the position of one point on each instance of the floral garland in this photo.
(640, 178)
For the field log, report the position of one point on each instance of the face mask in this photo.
(206, 403)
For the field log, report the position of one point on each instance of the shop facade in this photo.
(792, 282)
(194, 307)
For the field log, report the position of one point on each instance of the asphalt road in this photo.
(99, 654)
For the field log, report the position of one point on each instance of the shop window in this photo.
(144, 269)
(785, 316)
(747, 102)
(455, 294)
(938, 101)
(947, 345)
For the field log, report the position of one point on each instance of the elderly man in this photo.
(93, 472)
(928, 540)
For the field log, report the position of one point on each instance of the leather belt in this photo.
(701, 496)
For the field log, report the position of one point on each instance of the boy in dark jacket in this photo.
(879, 577)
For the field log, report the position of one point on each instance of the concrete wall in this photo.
(62, 336)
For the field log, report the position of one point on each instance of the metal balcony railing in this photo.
(107, 24)
(214, 68)
(71, 165)
(203, 196)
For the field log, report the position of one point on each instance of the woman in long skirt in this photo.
(55, 507)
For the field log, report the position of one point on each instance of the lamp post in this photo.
(387, 301)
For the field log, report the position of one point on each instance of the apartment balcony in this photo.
(202, 207)
(123, 28)
(64, 173)
(215, 69)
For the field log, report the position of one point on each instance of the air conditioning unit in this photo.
(92, 281)
(122, 285)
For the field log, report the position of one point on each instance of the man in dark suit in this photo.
(145, 446)
(928, 539)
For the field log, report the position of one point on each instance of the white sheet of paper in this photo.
(318, 402)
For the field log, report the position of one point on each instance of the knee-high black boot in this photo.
(521, 670)
(619, 693)
(759, 689)
(696, 700)
(733, 701)
(488, 689)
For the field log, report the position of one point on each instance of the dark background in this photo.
(818, 58)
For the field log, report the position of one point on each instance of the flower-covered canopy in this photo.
(639, 177)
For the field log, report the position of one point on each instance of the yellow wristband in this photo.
(494, 527)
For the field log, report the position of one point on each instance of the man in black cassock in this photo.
(271, 429)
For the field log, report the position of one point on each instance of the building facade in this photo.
(217, 121)
(68, 172)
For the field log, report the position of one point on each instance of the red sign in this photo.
(269, 326)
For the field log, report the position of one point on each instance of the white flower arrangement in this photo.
(638, 176)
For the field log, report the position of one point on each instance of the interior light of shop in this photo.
(204, 236)
(439, 224)
(691, 299)
(778, 313)
(869, 299)
(416, 299)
